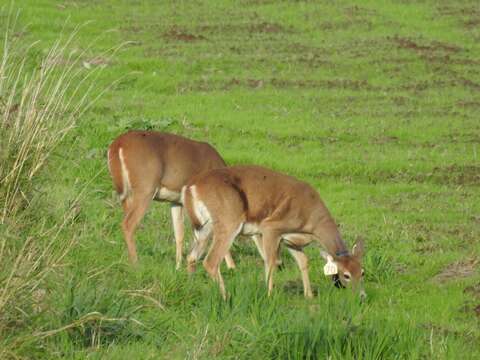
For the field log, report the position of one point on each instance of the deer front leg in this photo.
(302, 262)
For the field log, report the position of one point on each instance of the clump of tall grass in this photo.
(41, 99)
(39, 104)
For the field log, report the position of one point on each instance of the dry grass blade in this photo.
(145, 295)
(94, 316)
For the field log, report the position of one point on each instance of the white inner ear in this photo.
(330, 267)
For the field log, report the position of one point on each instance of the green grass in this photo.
(376, 105)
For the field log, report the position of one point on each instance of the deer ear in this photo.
(358, 248)
(330, 267)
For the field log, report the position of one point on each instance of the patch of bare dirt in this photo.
(385, 139)
(178, 34)
(462, 138)
(423, 85)
(448, 10)
(473, 290)
(470, 15)
(472, 23)
(470, 307)
(455, 175)
(469, 104)
(204, 85)
(259, 2)
(435, 52)
(330, 84)
(344, 24)
(407, 43)
(447, 175)
(459, 269)
(248, 28)
(458, 174)
(266, 27)
(355, 16)
(135, 29)
(355, 11)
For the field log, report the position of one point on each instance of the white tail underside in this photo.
(125, 176)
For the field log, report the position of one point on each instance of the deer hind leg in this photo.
(134, 208)
(223, 237)
(302, 262)
(201, 237)
(200, 244)
(271, 243)
(179, 232)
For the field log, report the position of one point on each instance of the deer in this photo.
(273, 209)
(151, 165)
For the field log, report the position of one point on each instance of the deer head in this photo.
(346, 269)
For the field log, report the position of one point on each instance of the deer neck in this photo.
(329, 237)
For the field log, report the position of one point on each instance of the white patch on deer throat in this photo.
(199, 208)
(125, 176)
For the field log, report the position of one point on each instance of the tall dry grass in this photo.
(40, 102)
(39, 105)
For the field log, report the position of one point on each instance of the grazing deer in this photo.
(150, 165)
(272, 208)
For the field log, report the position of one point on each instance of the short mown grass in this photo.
(375, 104)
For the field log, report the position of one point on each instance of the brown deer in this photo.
(272, 208)
(150, 165)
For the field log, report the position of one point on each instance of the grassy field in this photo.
(376, 105)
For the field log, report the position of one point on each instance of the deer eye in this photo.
(346, 276)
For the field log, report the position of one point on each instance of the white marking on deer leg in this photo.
(182, 194)
(125, 175)
(258, 242)
(229, 261)
(177, 219)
